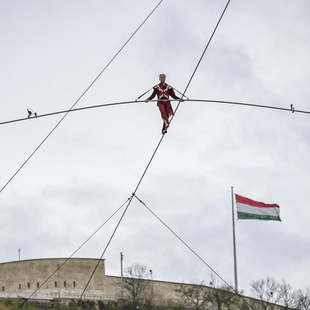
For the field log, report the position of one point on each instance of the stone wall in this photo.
(67, 282)
(160, 288)
(168, 292)
(22, 278)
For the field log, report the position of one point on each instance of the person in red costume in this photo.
(163, 91)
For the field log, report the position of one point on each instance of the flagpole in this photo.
(234, 238)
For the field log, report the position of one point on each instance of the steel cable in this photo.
(74, 253)
(81, 96)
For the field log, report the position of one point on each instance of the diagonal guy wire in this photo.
(91, 84)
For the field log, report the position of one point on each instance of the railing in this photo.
(26, 295)
(55, 295)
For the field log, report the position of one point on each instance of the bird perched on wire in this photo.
(292, 108)
(30, 113)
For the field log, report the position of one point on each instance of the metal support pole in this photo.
(58, 265)
(152, 291)
(122, 280)
(234, 239)
(18, 254)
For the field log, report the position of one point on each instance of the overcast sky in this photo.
(52, 50)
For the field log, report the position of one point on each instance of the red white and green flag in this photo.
(248, 209)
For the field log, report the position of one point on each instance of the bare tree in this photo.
(222, 295)
(199, 296)
(267, 292)
(193, 294)
(303, 300)
(137, 284)
(288, 296)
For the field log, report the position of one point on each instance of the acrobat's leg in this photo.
(164, 117)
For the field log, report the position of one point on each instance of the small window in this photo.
(38, 284)
(73, 283)
(19, 286)
(65, 284)
(3, 289)
(55, 284)
(28, 286)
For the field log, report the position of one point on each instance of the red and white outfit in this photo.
(163, 91)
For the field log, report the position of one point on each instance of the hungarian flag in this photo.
(248, 209)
